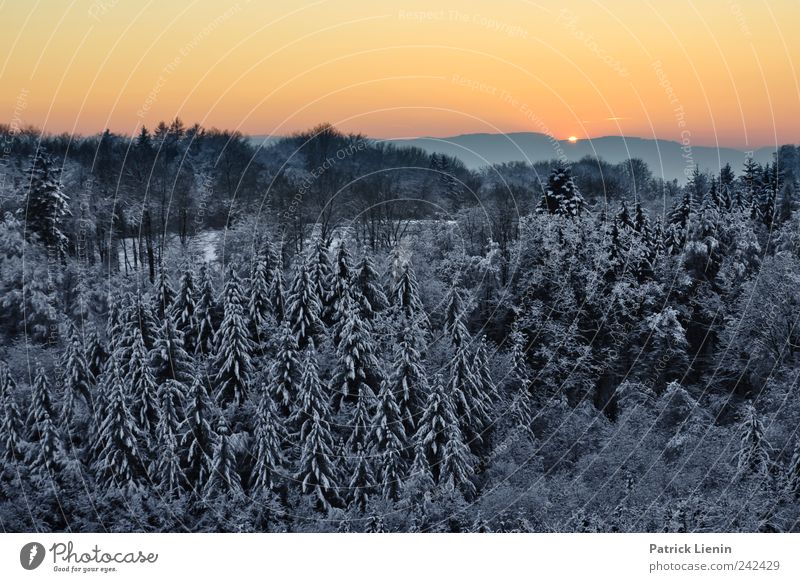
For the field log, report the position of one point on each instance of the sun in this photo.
(572, 139)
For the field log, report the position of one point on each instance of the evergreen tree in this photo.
(276, 298)
(77, 376)
(793, 478)
(370, 292)
(167, 470)
(165, 294)
(11, 426)
(224, 479)
(340, 292)
(50, 457)
(41, 404)
(197, 437)
(285, 371)
(391, 446)
(205, 314)
(169, 360)
(304, 306)
(46, 206)
(561, 195)
(518, 382)
(362, 482)
(184, 312)
(320, 272)
(357, 367)
(119, 463)
(437, 424)
(143, 389)
(316, 471)
(405, 297)
(409, 381)
(270, 438)
(310, 399)
(752, 458)
(233, 347)
(259, 305)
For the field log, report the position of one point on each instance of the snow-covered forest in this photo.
(383, 340)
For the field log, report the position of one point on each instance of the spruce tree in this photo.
(167, 469)
(233, 360)
(259, 304)
(409, 381)
(270, 438)
(205, 314)
(518, 383)
(391, 443)
(96, 354)
(224, 479)
(49, 457)
(169, 359)
(370, 292)
(311, 400)
(164, 294)
(197, 437)
(143, 389)
(276, 297)
(437, 424)
(793, 477)
(752, 458)
(561, 196)
(406, 300)
(340, 291)
(119, 462)
(46, 206)
(362, 481)
(303, 305)
(316, 470)
(77, 376)
(184, 312)
(285, 372)
(320, 272)
(11, 425)
(41, 404)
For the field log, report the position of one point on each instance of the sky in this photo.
(711, 72)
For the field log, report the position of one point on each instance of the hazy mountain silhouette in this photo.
(665, 158)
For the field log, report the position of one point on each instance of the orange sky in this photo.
(715, 71)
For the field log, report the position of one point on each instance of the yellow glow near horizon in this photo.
(715, 72)
(572, 139)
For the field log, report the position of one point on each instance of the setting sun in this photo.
(572, 139)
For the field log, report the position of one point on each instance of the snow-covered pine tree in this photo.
(284, 376)
(487, 387)
(623, 217)
(258, 304)
(233, 358)
(184, 312)
(11, 425)
(47, 455)
(77, 376)
(409, 381)
(303, 305)
(320, 272)
(357, 371)
(405, 297)
(167, 470)
(197, 437)
(316, 472)
(270, 440)
(792, 478)
(96, 354)
(310, 397)
(169, 359)
(164, 294)
(437, 424)
(561, 195)
(143, 389)
(46, 206)
(224, 478)
(390, 442)
(340, 291)
(370, 292)
(454, 306)
(457, 462)
(752, 458)
(205, 313)
(119, 462)
(518, 382)
(362, 481)
(360, 421)
(276, 297)
(41, 404)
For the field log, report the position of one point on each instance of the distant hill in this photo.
(665, 158)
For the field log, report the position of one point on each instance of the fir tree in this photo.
(320, 272)
(362, 481)
(437, 424)
(11, 426)
(390, 442)
(167, 471)
(165, 294)
(285, 371)
(197, 437)
(561, 195)
(270, 438)
(370, 292)
(233, 347)
(340, 292)
(310, 399)
(304, 306)
(184, 312)
(793, 477)
(119, 463)
(49, 450)
(143, 389)
(224, 479)
(169, 360)
(752, 458)
(77, 377)
(276, 298)
(41, 404)
(405, 297)
(409, 381)
(518, 383)
(205, 314)
(46, 207)
(96, 354)
(317, 472)
(259, 305)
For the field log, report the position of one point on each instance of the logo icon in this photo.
(31, 555)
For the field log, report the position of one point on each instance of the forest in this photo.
(205, 332)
